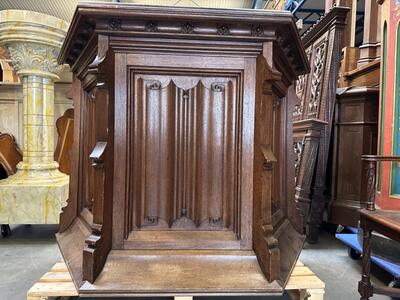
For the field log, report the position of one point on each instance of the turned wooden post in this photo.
(364, 286)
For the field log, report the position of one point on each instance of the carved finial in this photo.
(185, 95)
(183, 212)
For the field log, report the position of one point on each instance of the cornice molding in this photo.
(335, 17)
(151, 22)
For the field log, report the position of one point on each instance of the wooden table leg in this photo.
(364, 286)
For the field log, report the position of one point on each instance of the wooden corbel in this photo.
(268, 231)
(269, 157)
(97, 155)
(95, 240)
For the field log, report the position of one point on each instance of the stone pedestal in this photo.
(38, 191)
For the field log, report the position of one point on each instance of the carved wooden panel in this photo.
(185, 151)
(89, 141)
(317, 77)
(302, 89)
(65, 126)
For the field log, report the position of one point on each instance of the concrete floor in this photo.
(31, 251)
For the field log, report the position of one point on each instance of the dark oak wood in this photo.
(65, 126)
(182, 150)
(10, 155)
(356, 123)
(313, 115)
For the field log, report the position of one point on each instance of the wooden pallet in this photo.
(57, 284)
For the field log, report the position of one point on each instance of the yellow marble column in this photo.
(38, 191)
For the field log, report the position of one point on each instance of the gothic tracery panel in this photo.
(317, 77)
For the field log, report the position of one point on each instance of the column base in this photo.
(33, 196)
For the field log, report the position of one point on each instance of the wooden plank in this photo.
(56, 277)
(304, 282)
(34, 298)
(302, 271)
(57, 283)
(59, 267)
(52, 289)
(316, 294)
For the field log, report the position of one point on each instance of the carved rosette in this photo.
(34, 59)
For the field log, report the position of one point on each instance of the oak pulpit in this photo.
(182, 179)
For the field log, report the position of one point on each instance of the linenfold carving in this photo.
(188, 97)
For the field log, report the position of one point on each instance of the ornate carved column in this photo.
(36, 193)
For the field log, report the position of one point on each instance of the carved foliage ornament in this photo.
(187, 28)
(298, 151)
(34, 57)
(300, 89)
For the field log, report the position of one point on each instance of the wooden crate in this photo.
(57, 284)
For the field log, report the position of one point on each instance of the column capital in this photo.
(34, 59)
(33, 40)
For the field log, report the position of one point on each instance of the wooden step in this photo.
(57, 283)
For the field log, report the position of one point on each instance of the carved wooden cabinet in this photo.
(181, 175)
(313, 115)
(355, 134)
